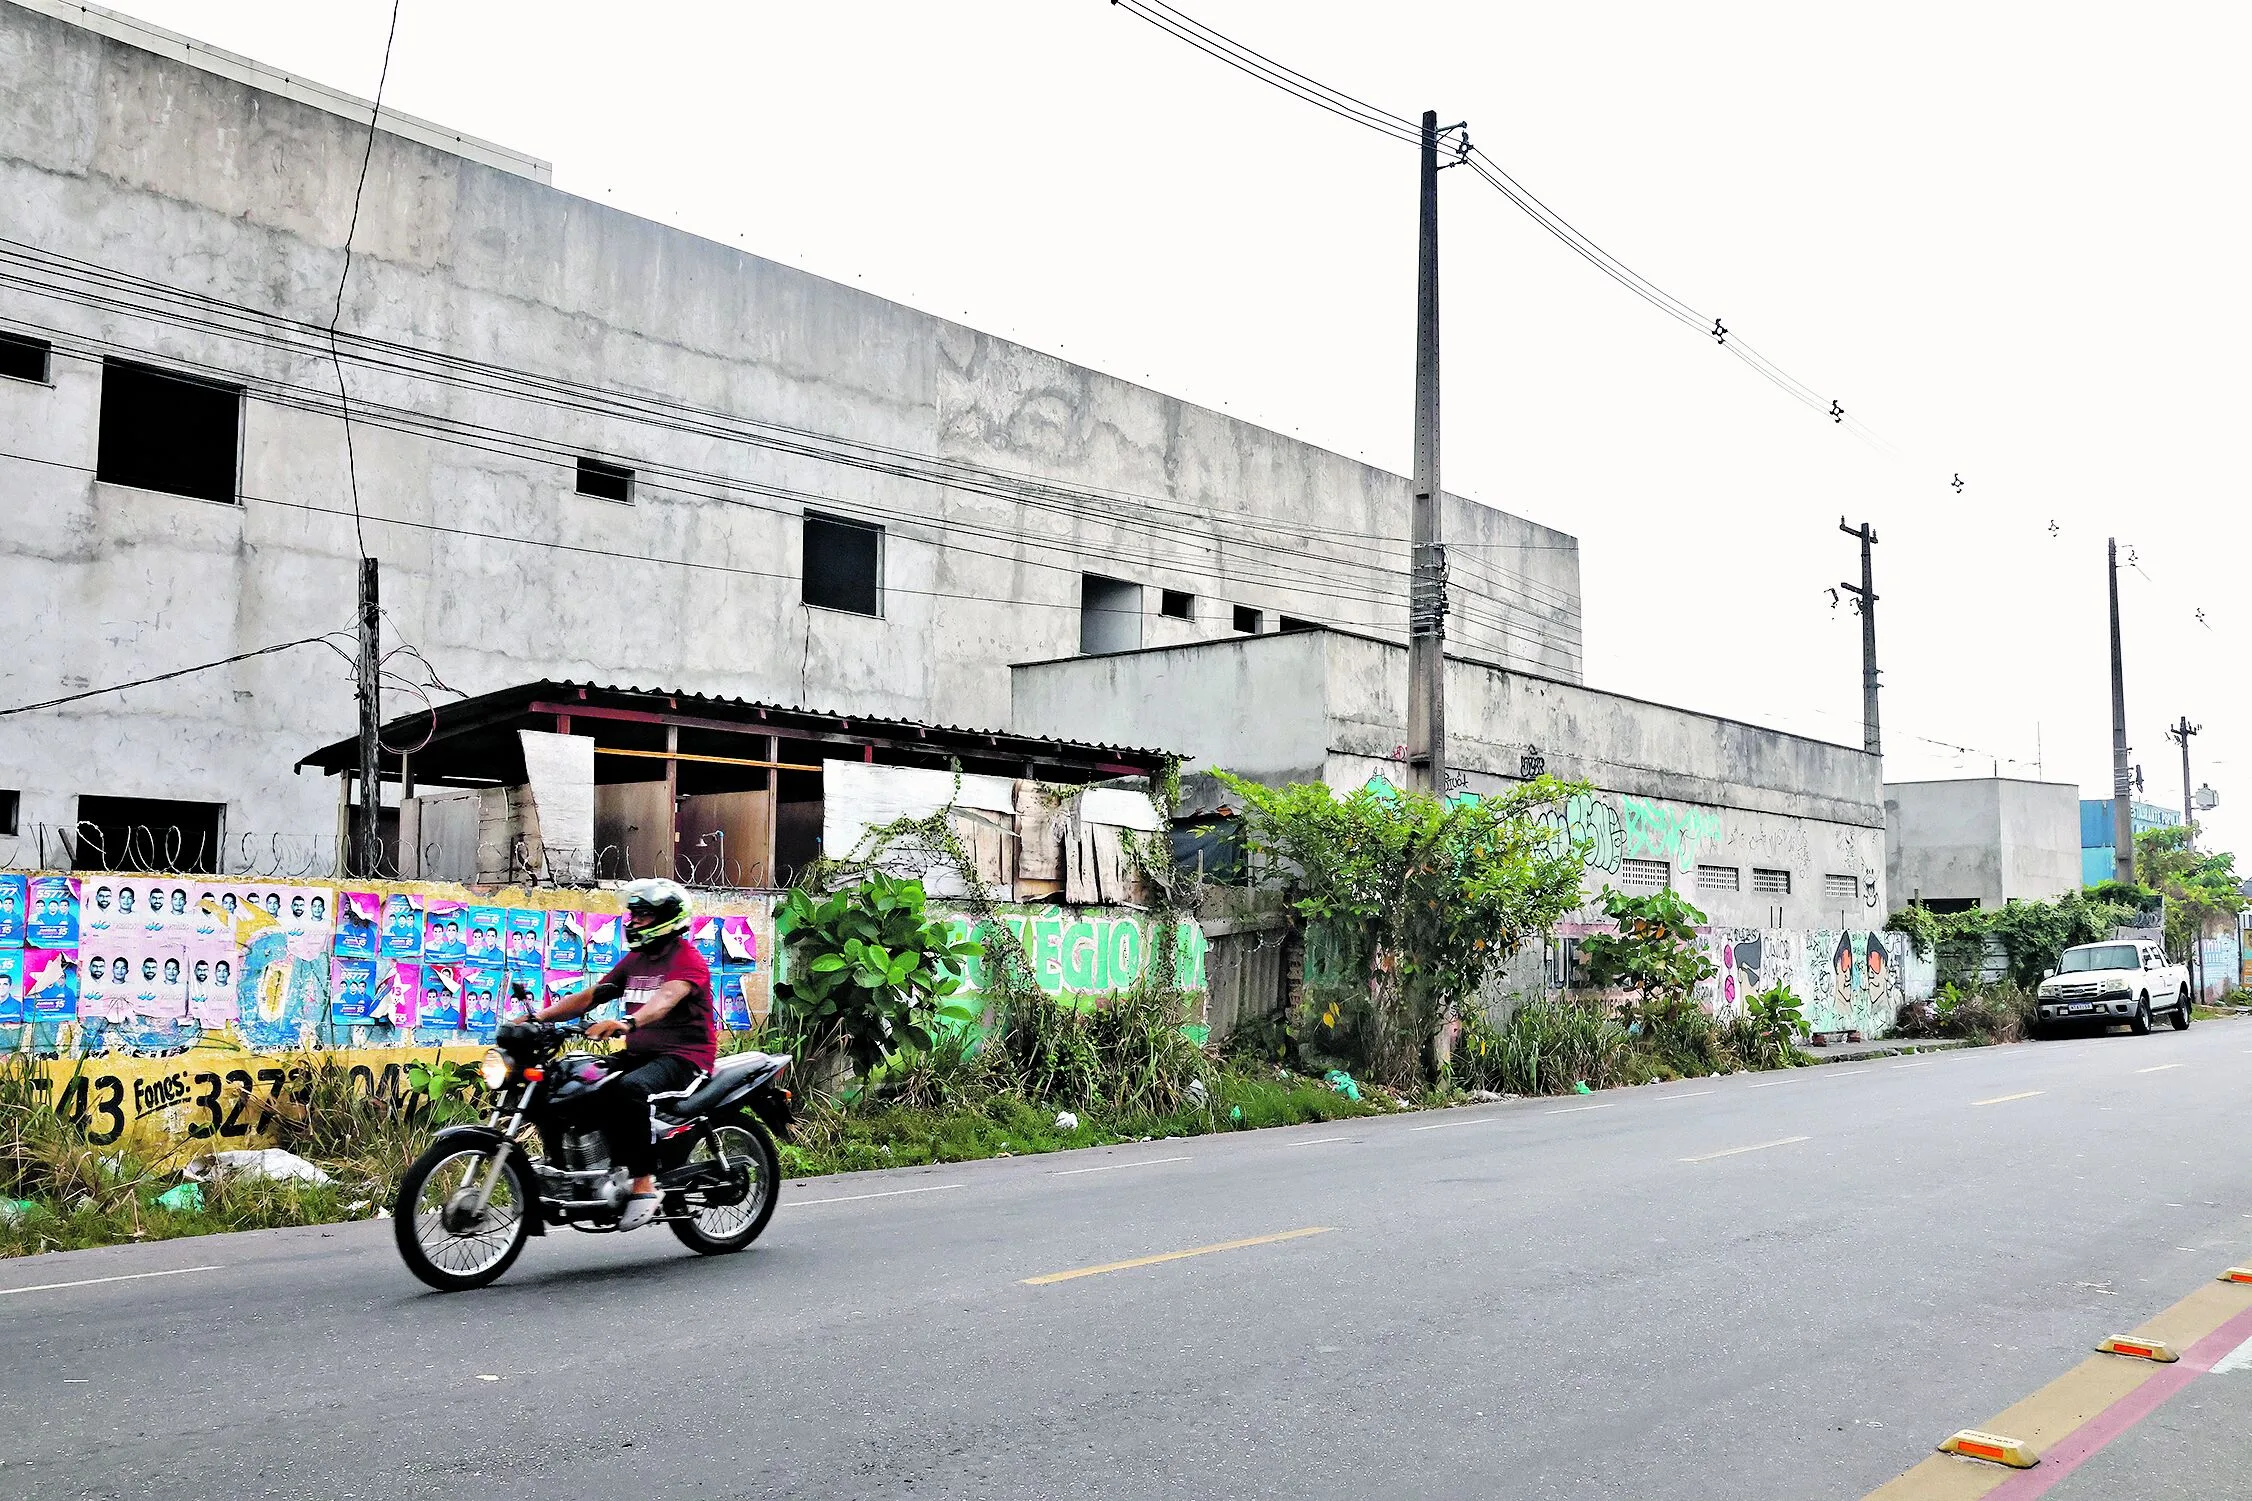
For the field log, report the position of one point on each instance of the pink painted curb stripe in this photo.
(2085, 1441)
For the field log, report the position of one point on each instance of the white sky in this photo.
(2005, 236)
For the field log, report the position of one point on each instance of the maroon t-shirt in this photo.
(690, 1029)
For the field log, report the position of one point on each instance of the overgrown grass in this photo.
(1984, 1014)
(1553, 1045)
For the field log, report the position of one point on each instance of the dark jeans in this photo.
(621, 1105)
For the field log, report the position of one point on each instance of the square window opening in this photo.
(1719, 878)
(1247, 620)
(1845, 888)
(170, 433)
(1771, 882)
(1177, 604)
(605, 481)
(1110, 615)
(147, 833)
(1293, 623)
(843, 565)
(23, 358)
(1645, 875)
(11, 811)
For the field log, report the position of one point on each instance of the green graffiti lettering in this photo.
(1079, 964)
(1125, 948)
(1047, 952)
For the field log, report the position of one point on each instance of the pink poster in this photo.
(398, 998)
(441, 997)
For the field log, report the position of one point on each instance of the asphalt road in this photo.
(1782, 1285)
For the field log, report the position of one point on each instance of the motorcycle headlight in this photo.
(495, 1068)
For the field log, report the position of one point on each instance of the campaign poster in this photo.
(558, 983)
(11, 911)
(359, 923)
(210, 922)
(105, 991)
(441, 998)
(264, 899)
(484, 996)
(738, 941)
(402, 926)
(734, 1005)
(158, 984)
(50, 984)
(488, 935)
(445, 931)
(703, 934)
(524, 991)
(211, 987)
(51, 919)
(11, 986)
(305, 912)
(527, 937)
(352, 991)
(398, 992)
(604, 937)
(566, 940)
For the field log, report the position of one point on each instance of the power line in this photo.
(336, 315)
(326, 639)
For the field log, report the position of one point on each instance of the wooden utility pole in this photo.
(369, 845)
(2122, 785)
(1427, 559)
(2179, 734)
(1866, 598)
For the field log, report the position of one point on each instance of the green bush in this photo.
(1546, 1047)
(869, 970)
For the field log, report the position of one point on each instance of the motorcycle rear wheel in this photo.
(718, 1229)
(455, 1260)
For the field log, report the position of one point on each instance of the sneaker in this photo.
(639, 1211)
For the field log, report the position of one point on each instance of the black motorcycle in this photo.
(469, 1202)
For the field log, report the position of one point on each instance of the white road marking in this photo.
(2004, 1099)
(1739, 1151)
(1919, 1063)
(1315, 1141)
(2157, 1068)
(2238, 1359)
(889, 1193)
(1692, 1094)
(1769, 1084)
(1112, 1167)
(1576, 1109)
(48, 1287)
(1482, 1120)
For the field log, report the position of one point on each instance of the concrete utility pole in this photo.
(368, 847)
(2122, 787)
(2179, 734)
(1866, 596)
(1427, 559)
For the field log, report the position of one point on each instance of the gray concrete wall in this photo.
(1988, 839)
(713, 366)
(1712, 799)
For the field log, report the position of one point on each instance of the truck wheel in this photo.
(2141, 1022)
(2181, 1013)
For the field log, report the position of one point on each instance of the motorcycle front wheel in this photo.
(441, 1239)
(720, 1221)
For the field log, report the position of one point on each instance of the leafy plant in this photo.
(1766, 1035)
(1420, 897)
(870, 971)
(435, 1082)
(1655, 953)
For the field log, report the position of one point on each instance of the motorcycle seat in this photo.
(725, 1076)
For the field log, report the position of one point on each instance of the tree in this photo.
(870, 970)
(1423, 896)
(2199, 889)
(1655, 952)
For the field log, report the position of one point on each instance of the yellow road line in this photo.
(1225, 1245)
(1739, 1151)
(2004, 1099)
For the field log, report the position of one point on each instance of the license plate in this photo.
(2084, 1006)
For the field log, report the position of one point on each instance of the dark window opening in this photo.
(146, 833)
(1110, 614)
(11, 808)
(1293, 623)
(24, 359)
(1177, 604)
(1943, 906)
(1247, 620)
(605, 481)
(168, 432)
(843, 565)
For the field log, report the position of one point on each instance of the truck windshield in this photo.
(2103, 956)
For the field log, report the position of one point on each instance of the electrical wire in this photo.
(336, 314)
(325, 639)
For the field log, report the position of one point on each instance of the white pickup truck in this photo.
(2122, 981)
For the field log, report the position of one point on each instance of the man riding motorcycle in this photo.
(671, 1031)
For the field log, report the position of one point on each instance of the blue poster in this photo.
(352, 991)
(441, 999)
(566, 940)
(527, 937)
(402, 926)
(359, 920)
(484, 991)
(703, 934)
(11, 986)
(445, 931)
(605, 940)
(734, 1005)
(525, 993)
(488, 928)
(50, 983)
(51, 915)
(11, 911)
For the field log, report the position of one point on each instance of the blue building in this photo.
(2098, 858)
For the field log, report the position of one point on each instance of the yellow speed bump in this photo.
(2237, 1274)
(2141, 1349)
(1992, 1447)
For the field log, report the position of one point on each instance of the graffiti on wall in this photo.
(1585, 819)
(1085, 954)
(1672, 832)
(1845, 981)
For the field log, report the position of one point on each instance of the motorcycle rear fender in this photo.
(488, 1138)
